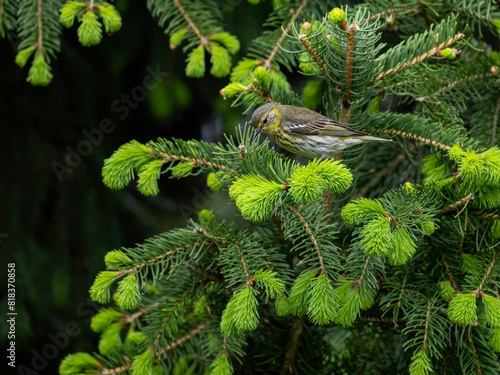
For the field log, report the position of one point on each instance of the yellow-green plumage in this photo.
(305, 132)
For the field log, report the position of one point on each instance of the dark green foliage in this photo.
(337, 263)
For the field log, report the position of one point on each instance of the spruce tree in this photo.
(385, 260)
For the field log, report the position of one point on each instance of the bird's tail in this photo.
(371, 138)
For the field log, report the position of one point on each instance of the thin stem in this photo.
(118, 370)
(191, 24)
(376, 319)
(394, 10)
(205, 275)
(426, 141)
(311, 236)
(244, 263)
(181, 341)
(263, 95)
(427, 319)
(488, 271)
(291, 353)
(164, 323)
(450, 277)
(495, 123)
(360, 280)
(345, 110)
(40, 33)
(457, 204)
(267, 62)
(488, 215)
(194, 161)
(474, 354)
(418, 59)
(316, 58)
(451, 85)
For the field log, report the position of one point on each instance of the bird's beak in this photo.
(255, 134)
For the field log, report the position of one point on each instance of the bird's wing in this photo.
(321, 126)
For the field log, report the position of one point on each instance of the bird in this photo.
(305, 132)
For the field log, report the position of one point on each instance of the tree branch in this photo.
(194, 161)
(191, 24)
(495, 123)
(267, 62)
(457, 204)
(487, 275)
(311, 236)
(414, 137)
(418, 59)
(293, 345)
(345, 109)
(450, 277)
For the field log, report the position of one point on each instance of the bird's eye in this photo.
(264, 122)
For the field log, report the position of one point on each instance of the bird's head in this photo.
(266, 118)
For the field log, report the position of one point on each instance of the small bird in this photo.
(305, 132)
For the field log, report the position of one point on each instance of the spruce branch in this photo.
(118, 370)
(345, 109)
(164, 323)
(474, 353)
(450, 277)
(316, 58)
(426, 329)
(193, 161)
(205, 275)
(203, 39)
(311, 236)
(451, 85)
(479, 289)
(457, 204)
(291, 353)
(420, 139)
(181, 341)
(39, 26)
(363, 271)
(487, 215)
(418, 59)
(286, 30)
(244, 264)
(495, 123)
(373, 319)
(393, 11)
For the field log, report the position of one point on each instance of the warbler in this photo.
(306, 132)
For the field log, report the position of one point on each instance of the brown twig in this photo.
(293, 345)
(117, 370)
(267, 62)
(39, 19)
(487, 274)
(191, 24)
(418, 59)
(181, 341)
(345, 109)
(360, 280)
(251, 88)
(495, 123)
(487, 215)
(415, 137)
(450, 277)
(426, 330)
(474, 354)
(316, 58)
(311, 236)
(457, 204)
(392, 11)
(194, 161)
(376, 319)
(451, 85)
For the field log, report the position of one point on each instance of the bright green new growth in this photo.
(241, 314)
(337, 16)
(492, 309)
(299, 297)
(90, 30)
(273, 286)
(110, 341)
(308, 183)
(221, 366)
(362, 209)
(116, 259)
(322, 304)
(221, 61)
(462, 309)
(349, 308)
(39, 73)
(376, 236)
(110, 17)
(214, 183)
(100, 289)
(127, 295)
(255, 197)
(23, 56)
(182, 170)
(403, 247)
(227, 40)
(446, 290)
(104, 318)
(69, 11)
(143, 363)
(195, 66)
(78, 363)
(420, 363)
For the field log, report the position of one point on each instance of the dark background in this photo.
(57, 229)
